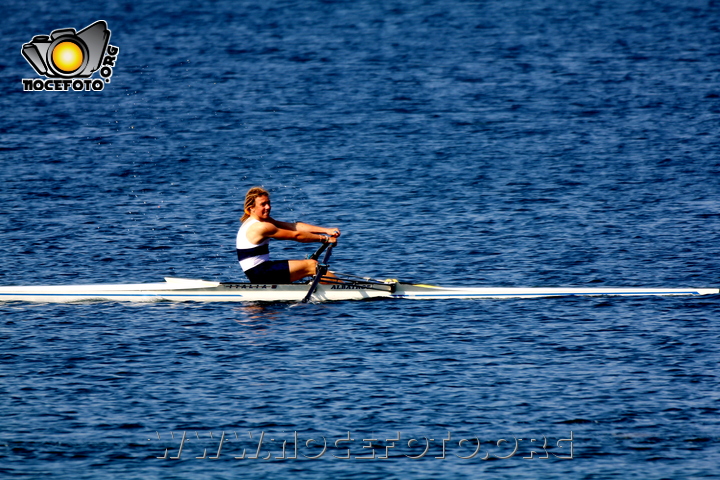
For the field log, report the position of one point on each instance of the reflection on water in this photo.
(257, 316)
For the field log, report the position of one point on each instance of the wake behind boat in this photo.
(320, 289)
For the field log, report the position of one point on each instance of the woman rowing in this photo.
(258, 227)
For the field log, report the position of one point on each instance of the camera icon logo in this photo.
(66, 53)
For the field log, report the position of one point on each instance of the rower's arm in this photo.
(260, 231)
(306, 227)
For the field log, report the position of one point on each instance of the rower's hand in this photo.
(332, 240)
(333, 232)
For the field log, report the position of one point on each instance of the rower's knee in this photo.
(311, 267)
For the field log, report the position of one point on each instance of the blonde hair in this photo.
(250, 197)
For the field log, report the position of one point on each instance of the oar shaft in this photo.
(321, 270)
(319, 251)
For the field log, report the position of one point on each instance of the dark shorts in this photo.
(272, 271)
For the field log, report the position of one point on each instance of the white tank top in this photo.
(250, 254)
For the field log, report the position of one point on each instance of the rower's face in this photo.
(262, 207)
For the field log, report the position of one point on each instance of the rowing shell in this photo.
(187, 290)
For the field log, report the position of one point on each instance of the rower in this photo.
(255, 233)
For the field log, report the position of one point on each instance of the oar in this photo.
(317, 253)
(322, 269)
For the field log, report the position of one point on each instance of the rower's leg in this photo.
(328, 274)
(304, 268)
(301, 269)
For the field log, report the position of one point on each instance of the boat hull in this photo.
(428, 292)
(185, 290)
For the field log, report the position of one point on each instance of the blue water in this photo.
(490, 143)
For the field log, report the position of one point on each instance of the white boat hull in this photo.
(186, 290)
